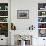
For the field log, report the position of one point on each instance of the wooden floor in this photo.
(3, 45)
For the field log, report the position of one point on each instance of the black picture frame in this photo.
(22, 14)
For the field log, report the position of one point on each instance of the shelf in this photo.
(42, 19)
(41, 28)
(3, 13)
(42, 16)
(3, 22)
(41, 10)
(3, 16)
(41, 22)
(3, 10)
(4, 19)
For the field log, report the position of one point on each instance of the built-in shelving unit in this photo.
(4, 19)
(42, 19)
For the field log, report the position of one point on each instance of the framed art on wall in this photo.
(22, 14)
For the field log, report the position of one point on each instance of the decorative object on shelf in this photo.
(4, 26)
(41, 25)
(31, 27)
(42, 32)
(43, 13)
(4, 29)
(0, 7)
(13, 27)
(6, 7)
(41, 6)
(3, 19)
(45, 7)
(41, 19)
(22, 14)
(3, 13)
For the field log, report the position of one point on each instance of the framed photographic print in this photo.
(22, 14)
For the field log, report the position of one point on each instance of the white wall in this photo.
(23, 24)
(32, 6)
(3, 1)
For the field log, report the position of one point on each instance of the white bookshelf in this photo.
(42, 18)
(4, 18)
(41, 28)
(3, 22)
(41, 22)
(3, 10)
(42, 10)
